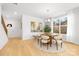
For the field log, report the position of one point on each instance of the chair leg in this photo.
(38, 41)
(40, 44)
(56, 45)
(61, 45)
(50, 44)
(47, 46)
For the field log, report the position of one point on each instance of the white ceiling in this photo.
(41, 10)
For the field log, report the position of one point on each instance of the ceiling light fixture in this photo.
(15, 13)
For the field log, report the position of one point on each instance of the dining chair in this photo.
(59, 41)
(45, 41)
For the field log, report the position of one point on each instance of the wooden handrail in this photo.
(3, 23)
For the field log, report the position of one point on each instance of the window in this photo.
(60, 25)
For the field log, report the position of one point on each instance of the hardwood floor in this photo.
(18, 47)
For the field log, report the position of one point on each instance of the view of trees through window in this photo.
(60, 25)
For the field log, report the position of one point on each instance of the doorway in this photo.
(12, 25)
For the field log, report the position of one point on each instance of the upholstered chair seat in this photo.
(45, 37)
(45, 41)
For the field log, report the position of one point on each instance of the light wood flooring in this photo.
(18, 47)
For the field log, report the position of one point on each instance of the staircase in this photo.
(3, 34)
(3, 24)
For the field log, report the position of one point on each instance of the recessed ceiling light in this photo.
(15, 13)
(49, 20)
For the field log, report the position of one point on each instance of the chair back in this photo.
(58, 37)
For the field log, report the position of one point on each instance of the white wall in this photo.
(26, 27)
(15, 30)
(0, 13)
(73, 26)
(3, 37)
(76, 30)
